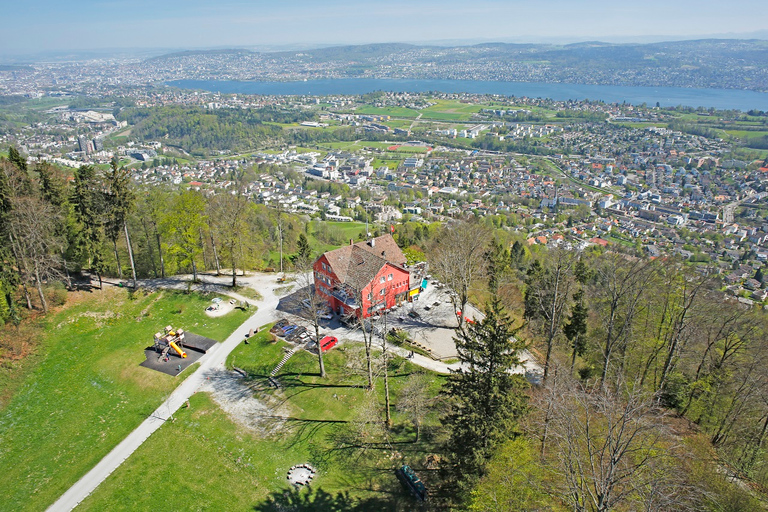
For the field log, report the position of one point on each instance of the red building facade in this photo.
(363, 278)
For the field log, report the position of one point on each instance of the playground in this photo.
(259, 439)
(175, 350)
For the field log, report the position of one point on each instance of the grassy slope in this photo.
(88, 392)
(204, 446)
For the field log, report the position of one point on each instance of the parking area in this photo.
(430, 320)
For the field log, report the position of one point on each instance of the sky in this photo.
(33, 26)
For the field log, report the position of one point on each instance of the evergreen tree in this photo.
(487, 398)
(87, 207)
(576, 327)
(120, 202)
(517, 255)
(498, 263)
(15, 157)
(302, 244)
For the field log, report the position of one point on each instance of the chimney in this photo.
(373, 242)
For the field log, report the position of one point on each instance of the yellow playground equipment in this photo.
(170, 340)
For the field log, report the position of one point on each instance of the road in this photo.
(213, 360)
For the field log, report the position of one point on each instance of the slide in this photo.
(175, 347)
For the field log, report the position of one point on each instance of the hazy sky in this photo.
(44, 25)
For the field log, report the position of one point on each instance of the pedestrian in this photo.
(178, 368)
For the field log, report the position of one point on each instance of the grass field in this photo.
(249, 467)
(448, 110)
(387, 111)
(87, 392)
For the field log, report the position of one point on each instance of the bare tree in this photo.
(606, 444)
(547, 296)
(310, 304)
(414, 401)
(620, 285)
(33, 223)
(458, 259)
(227, 217)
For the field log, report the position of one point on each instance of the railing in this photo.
(344, 297)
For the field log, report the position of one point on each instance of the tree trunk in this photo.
(130, 253)
(149, 248)
(387, 413)
(234, 268)
(194, 271)
(573, 355)
(216, 256)
(319, 349)
(26, 295)
(39, 285)
(160, 252)
(117, 259)
(66, 272)
(20, 264)
(202, 246)
(368, 341)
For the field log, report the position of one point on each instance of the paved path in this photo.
(215, 359)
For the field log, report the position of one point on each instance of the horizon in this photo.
(44, 27)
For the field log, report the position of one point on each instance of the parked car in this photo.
(289, 329)
(294, 335)
(278, 326)
(328, 343)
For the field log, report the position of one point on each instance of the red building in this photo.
(371, 272)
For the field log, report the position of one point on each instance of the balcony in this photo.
(347, 298)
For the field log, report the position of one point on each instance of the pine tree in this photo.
(15, 157)
(87, 207)
(303, 247)
(576, 327)
(487, 398)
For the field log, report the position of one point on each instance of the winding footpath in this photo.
(213, 360)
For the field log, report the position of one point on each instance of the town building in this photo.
(360, 279)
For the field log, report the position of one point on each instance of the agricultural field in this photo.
(387, 111)
(86, 392)
(308, 420)
(446, 110)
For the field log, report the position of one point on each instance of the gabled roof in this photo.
(357, 264)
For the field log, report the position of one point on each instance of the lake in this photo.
(666, 96)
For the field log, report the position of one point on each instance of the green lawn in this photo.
(205, 461)
(387, 111)
(87, 392)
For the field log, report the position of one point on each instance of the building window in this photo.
(324, 267)
(381, 292)
(383, 279)
(390, 277)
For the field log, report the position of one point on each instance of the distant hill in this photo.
(707, 63)
(193, 53)
(8, 67)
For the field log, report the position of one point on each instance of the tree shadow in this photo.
(310, 499)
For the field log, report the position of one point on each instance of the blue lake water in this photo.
(666, 96)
